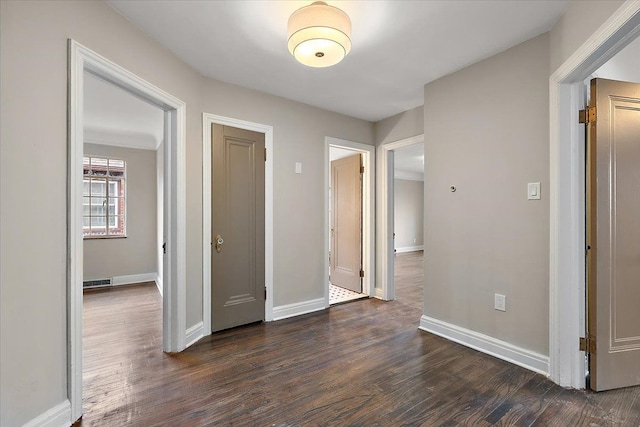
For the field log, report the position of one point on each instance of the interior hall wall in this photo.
(400, 126)
(487, 134)
(579, 21)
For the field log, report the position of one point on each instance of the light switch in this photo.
(533, 191)
(298, 167)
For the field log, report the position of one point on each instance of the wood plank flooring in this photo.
(363, 363)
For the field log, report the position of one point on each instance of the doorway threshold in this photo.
(338, 295)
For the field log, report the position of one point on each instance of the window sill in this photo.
(103, 237)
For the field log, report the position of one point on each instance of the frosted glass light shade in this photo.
(319, 35)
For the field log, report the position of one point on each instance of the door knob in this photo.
(219, 242)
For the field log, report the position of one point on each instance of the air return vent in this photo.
(98, 283)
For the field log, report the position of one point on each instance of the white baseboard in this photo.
(379, 293)
(159, 284)
(296, 309)
(58, 416)
(194, 333)
(410, 249)
(133, 278)
(501, 349)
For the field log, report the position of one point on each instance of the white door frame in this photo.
(567, 365)
(81, 60)
(368, 223)
(385, 214)
(207, 121)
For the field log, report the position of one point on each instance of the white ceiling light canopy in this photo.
(319, 35)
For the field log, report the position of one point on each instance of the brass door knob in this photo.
(219, 242)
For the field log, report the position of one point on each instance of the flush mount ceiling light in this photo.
(319, 35)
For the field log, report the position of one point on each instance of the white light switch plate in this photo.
(298, 167)
(533, 191)
(500, 302)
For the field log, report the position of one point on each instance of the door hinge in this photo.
(588, 115)
(361, 169)
(265, 292)
(588, 344)
(164, 248)
(361, 273)
(265, 154)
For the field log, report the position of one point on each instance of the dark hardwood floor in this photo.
(363, 363)
(409, 279)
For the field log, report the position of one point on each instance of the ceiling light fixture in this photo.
(319, 35)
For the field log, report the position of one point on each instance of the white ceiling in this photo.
(115, 117)
(398, 46)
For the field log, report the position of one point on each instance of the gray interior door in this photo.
(237, 253)
(613, 234)
(346, 223)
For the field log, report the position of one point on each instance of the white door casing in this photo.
(81, 60)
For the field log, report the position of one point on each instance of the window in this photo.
(103, 197)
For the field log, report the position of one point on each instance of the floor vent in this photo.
(99, 283)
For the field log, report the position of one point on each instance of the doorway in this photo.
(386, 205)
(612, 156)
(122, 187)
(237, 191)
(612, 342)
(356, 282)
(83, 60)
(123, 234)
(567, 364)
(408, 231)
(208, 120)
(345, 229)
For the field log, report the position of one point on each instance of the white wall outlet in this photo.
(500, 302)
(414, 240)
(298, 167)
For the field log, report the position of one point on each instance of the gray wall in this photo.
(137, 253)
(404, 125)
(580, 20)
(486, 237)
(409, 213)
(33, 82)
(299, 132)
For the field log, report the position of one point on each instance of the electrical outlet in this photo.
(500, 302)
(414, 240)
